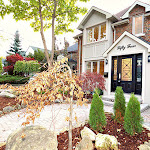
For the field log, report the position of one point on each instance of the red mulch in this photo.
(126, 141)
(5, 101)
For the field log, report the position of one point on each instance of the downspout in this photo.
(79, 53)
(114, 32)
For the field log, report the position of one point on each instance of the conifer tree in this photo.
(16, 46)
(132, 119)
(119, 104)
(97, 118)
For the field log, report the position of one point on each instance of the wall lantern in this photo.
(149, 58)
(106, 61)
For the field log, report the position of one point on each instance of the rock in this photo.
(17, 106)
(8, 109)
(147, 143)
(144, 147)
(86, 132)
(1, 112)
(7, 94)
(36, 138)
(85, 144)
(2, 144)
(105, 142)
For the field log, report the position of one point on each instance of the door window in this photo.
(126, 71)
(115, 69)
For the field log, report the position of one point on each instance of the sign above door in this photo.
(123, 47)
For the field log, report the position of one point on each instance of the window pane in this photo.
(138, 24)
(89, 35)
(94, 66)
(101, 69)
(96, 30)
(115, 69)
(88, 66)
(103, 32)
(126, 70)
(139, 69)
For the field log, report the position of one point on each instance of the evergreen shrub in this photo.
(119, 105)
(132, 119)
(97, 118)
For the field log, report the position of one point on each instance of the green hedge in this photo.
(1, 67)
(26, 67)
(13, 79)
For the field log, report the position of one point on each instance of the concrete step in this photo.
(143, 106)
(111, 98)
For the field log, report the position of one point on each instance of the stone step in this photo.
(110, 103)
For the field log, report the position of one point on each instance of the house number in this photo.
(124, 47)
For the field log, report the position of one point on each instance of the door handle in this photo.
(119, 76)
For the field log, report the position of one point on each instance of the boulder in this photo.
(105, 142)
(86, 132)
(144, 147)
(32, 138)
(85, 144)
(8, 109)
(7, 94)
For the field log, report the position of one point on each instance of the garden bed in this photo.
(126, 142)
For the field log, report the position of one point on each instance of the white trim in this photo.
(90, 12)
(121, 37)
(147, 8)
(120, 22)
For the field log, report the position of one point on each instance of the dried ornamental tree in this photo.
(48, 86)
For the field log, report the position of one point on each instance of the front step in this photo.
(111, 98)
(143, 107)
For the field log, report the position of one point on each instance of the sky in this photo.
(28, 37)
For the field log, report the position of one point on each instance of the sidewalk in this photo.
(53, 118)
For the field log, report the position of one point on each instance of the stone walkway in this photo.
(53, 118)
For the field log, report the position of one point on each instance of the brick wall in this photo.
(137, 10)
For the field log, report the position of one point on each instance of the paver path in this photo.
(11, 122)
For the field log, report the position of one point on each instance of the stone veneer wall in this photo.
(137, 10)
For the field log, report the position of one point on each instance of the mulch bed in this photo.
(5, 101)
(126, 141)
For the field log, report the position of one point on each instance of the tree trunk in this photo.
(42, 35)
(53, 34)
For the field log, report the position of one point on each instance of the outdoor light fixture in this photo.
(149, 58)
(106, 61)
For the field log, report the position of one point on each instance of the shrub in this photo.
(1, 67)
(97, 118)
(132, 119)
(119, 104)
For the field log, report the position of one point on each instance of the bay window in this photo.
(96, 33)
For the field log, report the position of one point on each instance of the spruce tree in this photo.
(119, 104)
(132, 119)
(97, 118)
(16, 46)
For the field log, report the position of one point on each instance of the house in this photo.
(31, 50)
(118, 47)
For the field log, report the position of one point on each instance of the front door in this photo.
(127, 72)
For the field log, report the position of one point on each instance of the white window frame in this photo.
(133, 26)
(98, 33)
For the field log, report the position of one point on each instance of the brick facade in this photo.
(137, 10)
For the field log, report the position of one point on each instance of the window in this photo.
(96, 33)
(95, 66)
(138, 25)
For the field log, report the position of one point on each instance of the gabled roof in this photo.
(89, 14)
(126, 14)
(145, 44)
(73, 48)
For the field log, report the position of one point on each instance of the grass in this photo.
(13, 79)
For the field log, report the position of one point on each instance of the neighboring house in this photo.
(31, 50)
(73, 56)
(118, 46)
